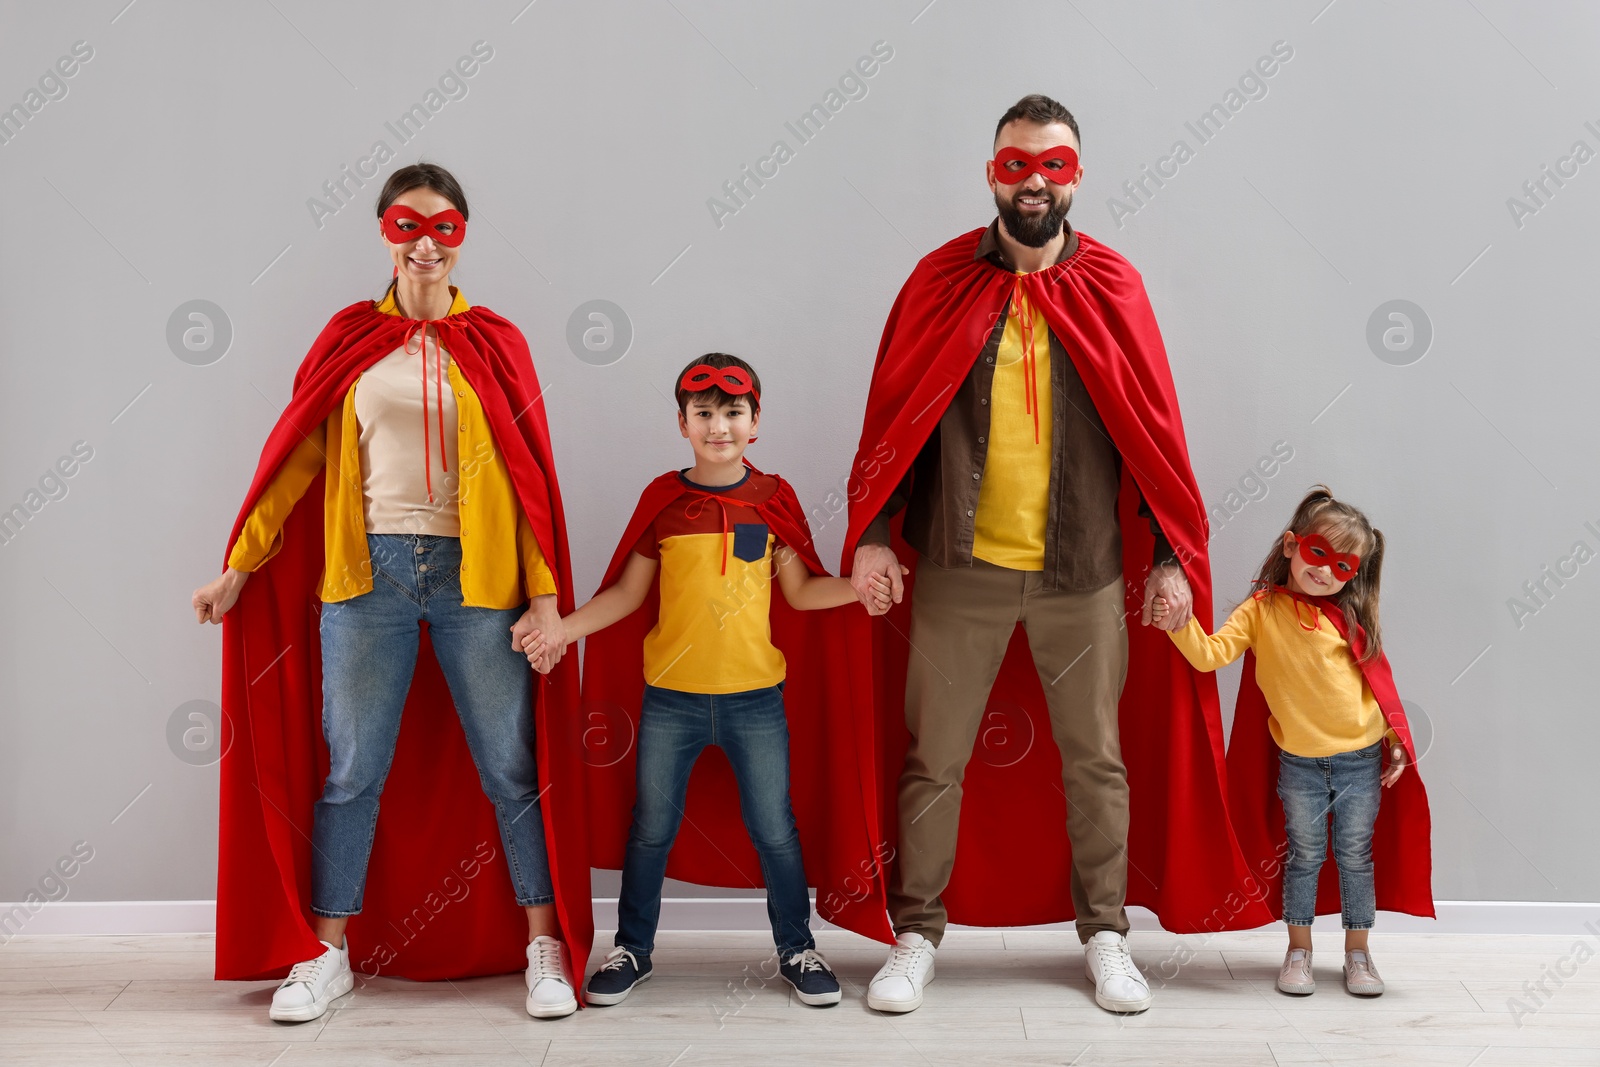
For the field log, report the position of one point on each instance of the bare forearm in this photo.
(610, 605)
(817, 592)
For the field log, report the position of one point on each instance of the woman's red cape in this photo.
(438, 900)
(1012, 858)
(1402, 851)
(830, 718)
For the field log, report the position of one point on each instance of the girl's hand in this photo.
(1396, 767)
(536, 647)
(880, 592)
(1158, 610)
(212, 601)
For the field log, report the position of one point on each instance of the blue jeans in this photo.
(1345, 783)
(369, 653)
(750, 729)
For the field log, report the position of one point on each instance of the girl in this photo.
(1317, 672)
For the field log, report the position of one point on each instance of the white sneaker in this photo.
(311, 986)
(898, 984)
(1118, 985)
(549, 993)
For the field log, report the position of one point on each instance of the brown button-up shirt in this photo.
(1082, 541)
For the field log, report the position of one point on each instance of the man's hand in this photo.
(876, 578)
(1397, 765)
(540, 634)
(1171, 585)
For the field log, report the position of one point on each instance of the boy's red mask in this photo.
(1315, 550)
(448, 228)
(1062, 175)
(731, 380)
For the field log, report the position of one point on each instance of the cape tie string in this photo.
(438, 388)
(1316, 616)
(1023, 311)
(696, 509)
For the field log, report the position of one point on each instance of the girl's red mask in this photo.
(448, 228)
(1031, 164)
(1315, 550)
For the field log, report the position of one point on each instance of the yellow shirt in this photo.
(502, 564)
(1014, 496)
(1318, 702)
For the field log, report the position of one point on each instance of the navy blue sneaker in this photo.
(813, 982)
(616, 977)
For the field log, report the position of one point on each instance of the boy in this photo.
(717, 532)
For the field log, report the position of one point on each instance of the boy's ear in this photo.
(683, 423)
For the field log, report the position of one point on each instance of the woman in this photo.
(414, 524)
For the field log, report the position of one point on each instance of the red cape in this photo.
(1183, 860)
(829, 710)
(438, 900)
(1402, 852)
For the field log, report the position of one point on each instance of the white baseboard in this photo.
(127, 917)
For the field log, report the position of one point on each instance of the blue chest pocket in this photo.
(750, 541)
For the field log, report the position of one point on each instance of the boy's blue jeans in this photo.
(369, 653)
(1346, 783)
(750, 729)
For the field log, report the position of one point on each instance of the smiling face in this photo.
(1315, 579)
(422, 260)
(1033, 209)
(718, 432)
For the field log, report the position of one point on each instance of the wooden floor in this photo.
(1000, 997)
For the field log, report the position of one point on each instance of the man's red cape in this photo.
(438, 900)
(829, 710)
(1402, 851)
(1013, 858)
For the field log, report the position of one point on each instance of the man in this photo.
(1021, 398)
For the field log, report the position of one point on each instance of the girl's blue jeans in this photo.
(1347, 785)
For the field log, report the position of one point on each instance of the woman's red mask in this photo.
(1062, 175)
(448, 228)
(1315, 550)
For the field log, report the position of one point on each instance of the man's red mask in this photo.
(1315, 550)
(448, 228)
(1062, 175)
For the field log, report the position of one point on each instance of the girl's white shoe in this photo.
(550, 995)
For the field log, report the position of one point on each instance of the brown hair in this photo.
(421, 176)
(1040, 109)
(715, 394)
(1347, 530)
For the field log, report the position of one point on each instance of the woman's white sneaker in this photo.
(550, 995)
(1118, 985)
(311, 986)
(898, 984)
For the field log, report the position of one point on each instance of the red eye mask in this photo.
(1315, 550)
(731, 380)
(1031, 164)
(447, 227)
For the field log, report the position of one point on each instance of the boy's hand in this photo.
(1396, 767)
(876, 561)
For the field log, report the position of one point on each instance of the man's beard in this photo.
(1035, 231)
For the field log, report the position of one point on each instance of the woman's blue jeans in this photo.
(369, 653)
(750, 728)
(1347, 784)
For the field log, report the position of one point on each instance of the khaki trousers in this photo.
(961, 622)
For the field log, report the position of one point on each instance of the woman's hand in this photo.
(1397, 765)
(212, 601)
(541, 634)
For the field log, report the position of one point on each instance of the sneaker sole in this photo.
(606, 999)
(818, 1000)
(1121, 1007)
(1366, 990)
(1297, 990)
(898, 1006)
(317, 1008)
(552, 1011)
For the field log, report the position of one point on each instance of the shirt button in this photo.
(463, 427)
(989, 360)
(974, 475)
(981, 440)
(985, 400)
(462, 392)
(969, 514)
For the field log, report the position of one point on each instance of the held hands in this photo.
(212, 601)
(1168, 601)
(877, 578)
(541, 634)
(1397, 765)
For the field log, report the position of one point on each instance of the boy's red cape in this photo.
(438, 900)
(829, 711)
(1402, 851)
(1013, 859)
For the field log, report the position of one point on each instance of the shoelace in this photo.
(305, 971)
(1115, 960)
(903, 959)
(547, 960)
(809, 960)
(615, 959)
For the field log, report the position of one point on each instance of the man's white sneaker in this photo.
(311, 986)
(550, 995)
(898, 984)
(1118, 985)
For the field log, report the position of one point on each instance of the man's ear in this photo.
(988, 173)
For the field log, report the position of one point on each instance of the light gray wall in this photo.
(1376, 167)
